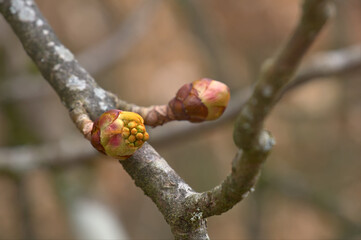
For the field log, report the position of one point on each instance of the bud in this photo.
(201, 100)
(118, 133)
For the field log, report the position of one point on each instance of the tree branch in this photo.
(254, 142)
(278, 71)
(78, 91)
(183, 209)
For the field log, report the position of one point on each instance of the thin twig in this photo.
(277, 72)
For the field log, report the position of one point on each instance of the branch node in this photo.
(265, 141)
(81, 119)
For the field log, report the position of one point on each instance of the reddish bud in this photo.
(201, 100)
(115, 132)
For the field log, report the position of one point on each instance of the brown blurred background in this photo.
(310, 187)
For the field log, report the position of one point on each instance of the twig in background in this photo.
(291, 184)
(67, 151)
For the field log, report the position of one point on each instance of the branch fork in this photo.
(184, 209)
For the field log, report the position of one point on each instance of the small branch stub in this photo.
(118, 133)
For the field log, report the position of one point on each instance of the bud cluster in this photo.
(118, 133)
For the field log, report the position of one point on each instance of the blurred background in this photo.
(53, 185)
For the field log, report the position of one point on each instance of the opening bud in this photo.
(118, 133)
